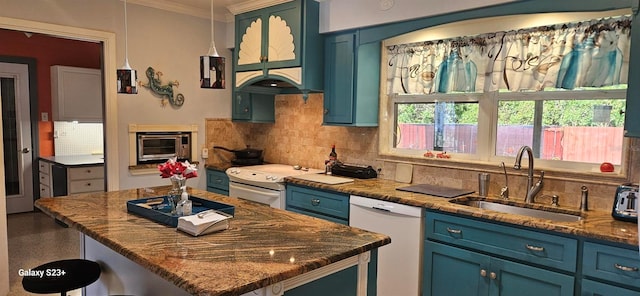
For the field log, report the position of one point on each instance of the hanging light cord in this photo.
(212, 48)
(126, 37)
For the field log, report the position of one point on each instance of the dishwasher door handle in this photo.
(381, 209)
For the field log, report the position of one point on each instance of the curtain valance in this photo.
(591, 53)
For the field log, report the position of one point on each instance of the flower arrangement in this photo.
(176, 170)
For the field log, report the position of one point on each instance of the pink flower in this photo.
(178, 170)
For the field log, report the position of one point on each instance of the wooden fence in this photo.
(581, 144)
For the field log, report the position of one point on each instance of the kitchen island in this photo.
(265, 250)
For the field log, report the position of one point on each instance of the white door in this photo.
(16, 127)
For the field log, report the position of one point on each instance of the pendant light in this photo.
(212, 65)
(127, 77)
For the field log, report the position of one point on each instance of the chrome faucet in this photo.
(532, 190)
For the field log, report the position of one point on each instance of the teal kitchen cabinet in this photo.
(253, 107)
(320, 204)
(480, 274)
(610, 270)
(334, 207)
(280, 41)
(352, 75)
(493, 259)
(217, 182)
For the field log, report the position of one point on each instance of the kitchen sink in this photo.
(507, 207)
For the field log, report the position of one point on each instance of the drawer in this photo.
(504, 241)
(591, 288)
(217, 179)
(45, 179)
(80, 186)
(85, 173)
(322, 202)
(44, 166)
(45, 191)
(612, 264)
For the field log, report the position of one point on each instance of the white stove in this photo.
(263, 183)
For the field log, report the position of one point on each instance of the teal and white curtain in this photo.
(579, 55)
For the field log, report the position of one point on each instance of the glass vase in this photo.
(174, 194)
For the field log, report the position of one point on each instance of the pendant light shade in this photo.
(212, 65)
(127, 77)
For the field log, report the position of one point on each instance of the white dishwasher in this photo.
(399, 262)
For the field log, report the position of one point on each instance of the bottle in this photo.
(184, 207)
(333, 156)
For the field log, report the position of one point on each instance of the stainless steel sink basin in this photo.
(519, 210)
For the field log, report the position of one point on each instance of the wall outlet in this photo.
(205, 153)
(44, 116)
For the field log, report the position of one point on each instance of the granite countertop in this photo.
(263, 245)
(76, 160)
(595, 224)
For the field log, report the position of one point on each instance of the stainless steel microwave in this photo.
(157, 147)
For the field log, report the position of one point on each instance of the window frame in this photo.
(488, 109)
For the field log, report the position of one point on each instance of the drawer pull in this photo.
(534, 248)
(483, 273)
(88, 171)
(88, 184)
(315, 201)
(454, 231)
(625, 268)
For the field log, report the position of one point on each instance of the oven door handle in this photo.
(245, 188)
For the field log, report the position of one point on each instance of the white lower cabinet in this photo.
(60, 180)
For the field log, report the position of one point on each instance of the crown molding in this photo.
(173, 6)
(250, 5)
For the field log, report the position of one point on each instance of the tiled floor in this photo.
(34, 239)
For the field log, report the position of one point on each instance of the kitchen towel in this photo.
(435, 190)
(204, 222)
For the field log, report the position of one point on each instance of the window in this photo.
(559, 89)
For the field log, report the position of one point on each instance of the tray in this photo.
(163, 215)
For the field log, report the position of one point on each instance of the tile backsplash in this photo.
(77, 138)
(298, 137)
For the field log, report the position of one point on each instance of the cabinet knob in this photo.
(88, 184)
(326, 111)
(88, 171)
(246, 110)
(483, 273)
(315, 201)
(493, 275)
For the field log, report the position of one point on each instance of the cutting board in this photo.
(404, 172)
(435, 190)
(321, 178)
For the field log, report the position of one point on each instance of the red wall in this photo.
(49, 51)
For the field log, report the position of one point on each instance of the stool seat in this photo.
(61, 276)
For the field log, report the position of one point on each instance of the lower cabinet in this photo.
(61, 180)
(465, 256)
(481, 274)
(593, 288)
(217, 182)
(334, 207)
(610, 270)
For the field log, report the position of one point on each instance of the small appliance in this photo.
(354, 171)
(625, 204)
(157, 147)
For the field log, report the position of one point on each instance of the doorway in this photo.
(17, 141)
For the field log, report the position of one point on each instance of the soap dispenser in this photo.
(184, 207)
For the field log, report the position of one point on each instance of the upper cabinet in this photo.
(76, 93)
(280, 42)
(352, 75)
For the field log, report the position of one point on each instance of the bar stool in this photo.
(61, 276)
